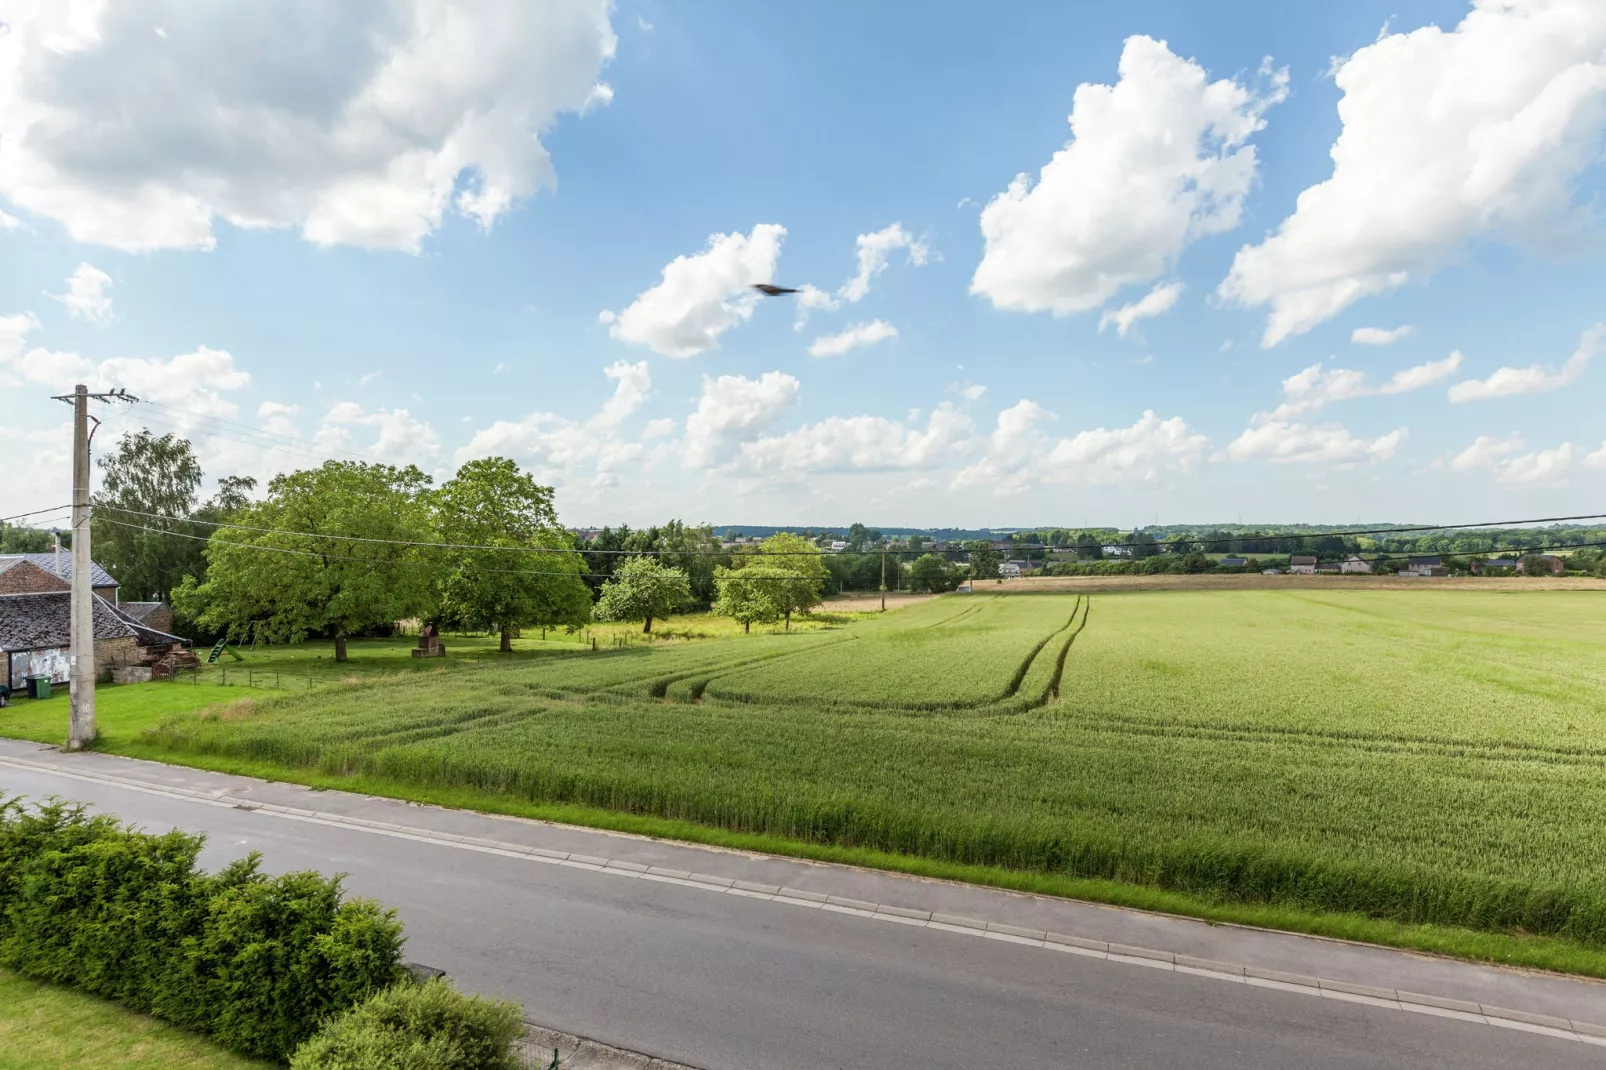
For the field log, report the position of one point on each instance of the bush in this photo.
(258, 962)
(431, 1026)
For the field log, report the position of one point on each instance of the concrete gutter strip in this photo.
(539, 1043)
(589, 1055)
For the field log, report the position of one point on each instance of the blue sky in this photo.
(392, 234)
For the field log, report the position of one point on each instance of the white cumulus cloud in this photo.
(732, 409)
(873, 252)
(1534, 379)
(399, 437)
(1155, 161)
(701, 297)
(861, 444)
(86, 296)
(1019, 455)
(1315, 387)
(559, 449)
(1379, 336)
(1157, 302)
(1446, 135)
(1283, 441)
(358, 123)
(1502, 456)
(854, 337)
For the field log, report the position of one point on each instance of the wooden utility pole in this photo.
(883, 577)
(81, 724)
(81, 732)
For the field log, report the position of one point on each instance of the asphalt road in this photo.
(730, 983)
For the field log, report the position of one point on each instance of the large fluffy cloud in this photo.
(701, 297)
(399, 437)
(194, 383)
(1445, 135)
(733, 409)
(136, 124)
(558, 448)
(1019, 455)
(1534, 379)
(1283, 441)
(1511, 466)
(861, 444)
(1154, 161)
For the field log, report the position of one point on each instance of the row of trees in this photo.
(349, 547)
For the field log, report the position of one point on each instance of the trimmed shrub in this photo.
(429, 1026)
(258, 962)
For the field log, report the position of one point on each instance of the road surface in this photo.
(730, 981)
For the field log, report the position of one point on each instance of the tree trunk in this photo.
(507, 639)
(789, 620)
(340, 648)
(648, 626)
(747, 627)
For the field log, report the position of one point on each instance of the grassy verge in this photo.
(44, 1027)
(1532, 952)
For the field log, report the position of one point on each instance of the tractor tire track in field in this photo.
(1059, 667)
(1031, 655)
(1448, 747)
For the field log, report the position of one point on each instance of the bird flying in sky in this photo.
(771, 291)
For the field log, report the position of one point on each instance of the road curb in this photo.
(904, 914)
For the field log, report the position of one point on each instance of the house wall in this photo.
(123, 650)
(28, 578)
(160, 618)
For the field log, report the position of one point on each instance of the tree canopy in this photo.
(293, 569)
(933, 573)
(805, 579)
(643, 589)
(752, 594)
(140, 526)
(490, 503)
(984, 560)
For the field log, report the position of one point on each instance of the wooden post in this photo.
(81, 718)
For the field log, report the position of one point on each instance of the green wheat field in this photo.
(1426, 757)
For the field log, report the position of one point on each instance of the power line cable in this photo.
(36, 512)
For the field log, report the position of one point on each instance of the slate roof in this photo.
(143, 633)
(40, 621)
(98, 576)
(138, 611)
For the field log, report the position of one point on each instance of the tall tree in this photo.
(491, 503)
(931, 572)
(984, 560)
(286, 572)
(799, 557)
(696, 551)
(140, 525)
(752, 594)
(642, 589)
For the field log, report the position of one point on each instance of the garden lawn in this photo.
(122, 712)
(46, 1027)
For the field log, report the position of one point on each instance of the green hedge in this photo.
(258, 962)
(417, 1027)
